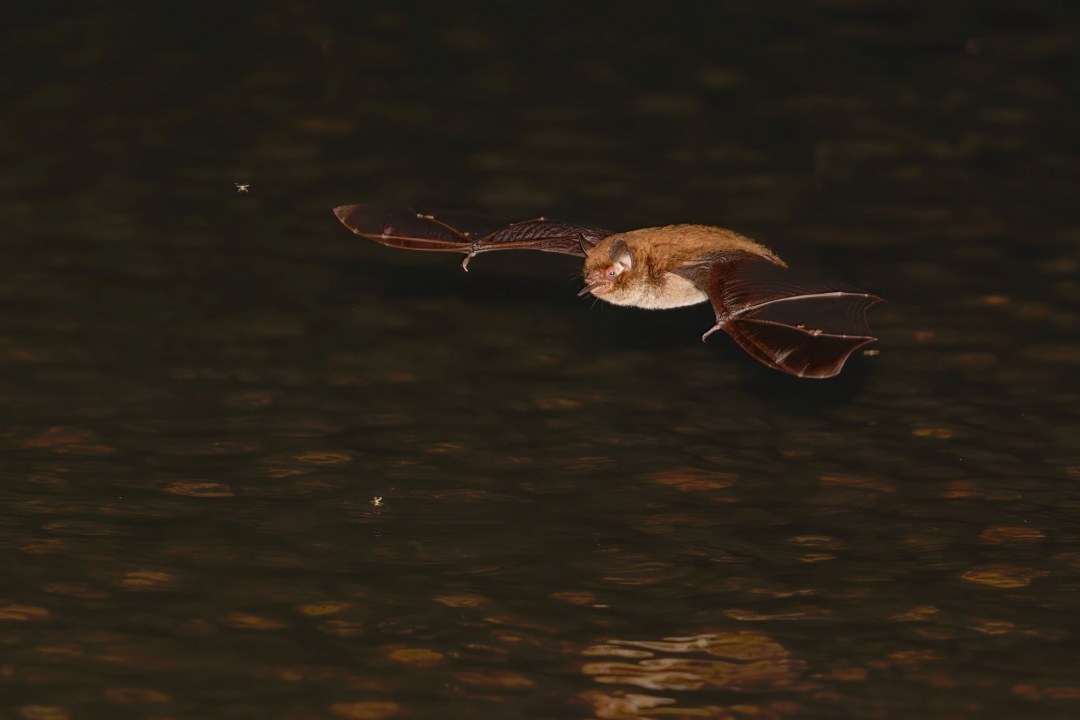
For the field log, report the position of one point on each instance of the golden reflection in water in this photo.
(739, 662)
(366, 710)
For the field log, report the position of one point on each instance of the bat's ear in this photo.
(620, 253)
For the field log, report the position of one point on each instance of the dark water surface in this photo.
(255, 467)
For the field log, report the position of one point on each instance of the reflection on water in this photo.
(734, 662)
(254, 468)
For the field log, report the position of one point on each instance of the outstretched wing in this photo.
(792, 322)
(423, 231)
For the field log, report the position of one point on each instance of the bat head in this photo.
(607, 267)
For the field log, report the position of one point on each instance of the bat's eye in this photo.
(614, 270)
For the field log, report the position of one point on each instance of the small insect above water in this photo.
(798, 324)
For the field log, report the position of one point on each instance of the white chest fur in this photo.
(671, 292)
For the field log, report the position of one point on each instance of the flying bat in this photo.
(795, 323)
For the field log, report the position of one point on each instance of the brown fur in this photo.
(649, 282)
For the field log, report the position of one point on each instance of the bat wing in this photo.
(792, 322)
(423, 231)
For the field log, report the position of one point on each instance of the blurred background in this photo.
(254, 466)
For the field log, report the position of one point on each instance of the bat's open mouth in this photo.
(596, 288)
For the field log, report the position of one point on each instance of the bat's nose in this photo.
(596, 282)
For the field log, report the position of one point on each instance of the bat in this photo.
(792, 322)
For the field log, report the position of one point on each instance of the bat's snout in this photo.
(591, 287)
(597, 282)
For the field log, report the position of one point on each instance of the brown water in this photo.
(256, 467)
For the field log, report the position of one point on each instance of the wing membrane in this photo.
(444, 233)
(801, 325)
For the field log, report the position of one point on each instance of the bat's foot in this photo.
(718, 326)
(465, 262)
